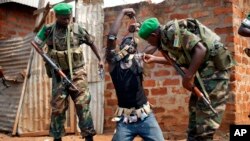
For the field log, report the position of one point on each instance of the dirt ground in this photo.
(102, 137)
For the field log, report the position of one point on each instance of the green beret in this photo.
(63, 9)
(147, 27)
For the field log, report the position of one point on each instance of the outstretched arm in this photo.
(111, 39)
(111, 42)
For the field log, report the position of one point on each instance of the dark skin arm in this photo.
(111, 44)
(94, 49)
(199, 52)
(244, 31)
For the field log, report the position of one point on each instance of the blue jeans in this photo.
(148, 129)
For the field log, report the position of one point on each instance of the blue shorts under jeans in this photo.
(148, 129)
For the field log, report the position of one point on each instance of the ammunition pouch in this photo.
(221, 57)
(61, 58)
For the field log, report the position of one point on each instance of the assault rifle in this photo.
(195, 89)
(53, 65)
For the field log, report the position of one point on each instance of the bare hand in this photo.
(100, 64)
(148, 58)
(188, 80)
(130, 12)
(134, 27)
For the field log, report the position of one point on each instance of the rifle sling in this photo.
(69, 52)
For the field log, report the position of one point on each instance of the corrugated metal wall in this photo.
(94, 26)
(14, 56)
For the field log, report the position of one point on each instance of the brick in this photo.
(160, 73)
(210, 3)
(159, 110)
(168, 82)
(237, 58)
(224, 30)
(110, 85)
(244, 60)
(108, 111)
(180, 90)
(231, 107)
(199, 14)
(146, 92)
(229, 38)
(107, 77)
(112, 102)
(223, 10)
(149, 83)
(152, 100)
(244, 43)
(178, 16)
(210, 21)
(107, 93)
(159, 91)
(167, 100)
(228, 19)
(229, 116)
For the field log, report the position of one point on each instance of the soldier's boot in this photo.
(89, 138)
(60, 139)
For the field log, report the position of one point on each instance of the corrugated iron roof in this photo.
(31, 3)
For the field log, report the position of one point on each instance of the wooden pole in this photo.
(41, 4)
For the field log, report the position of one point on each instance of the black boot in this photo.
(60, 139)
(89, 138)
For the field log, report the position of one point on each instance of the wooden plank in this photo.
(21, 98)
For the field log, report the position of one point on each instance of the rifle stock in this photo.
(198, 93)
(53, 65)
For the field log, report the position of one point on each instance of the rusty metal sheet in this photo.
(14, 56)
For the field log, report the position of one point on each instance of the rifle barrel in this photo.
(195, 89)
(53, 65)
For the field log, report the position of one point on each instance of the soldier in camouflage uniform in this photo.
(63, 40)
(197, 49)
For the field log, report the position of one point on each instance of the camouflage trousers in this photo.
(60, 103)
(202, 122)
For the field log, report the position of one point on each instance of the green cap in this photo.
(62, 9)
(147, 27)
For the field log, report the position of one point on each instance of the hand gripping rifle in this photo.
(195, 89)
(53, 65)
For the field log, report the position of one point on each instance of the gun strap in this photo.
(69, 52)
